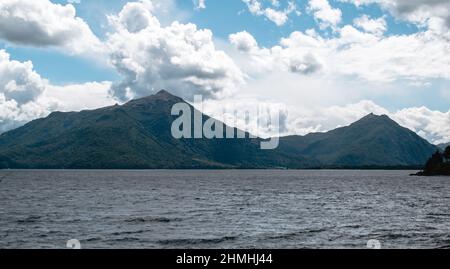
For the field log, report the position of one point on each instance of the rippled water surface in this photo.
(223, 209)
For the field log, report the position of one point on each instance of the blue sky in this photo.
(327, 61)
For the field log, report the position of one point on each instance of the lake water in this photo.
(223, 209)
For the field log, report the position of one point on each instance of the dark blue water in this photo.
(223, 209)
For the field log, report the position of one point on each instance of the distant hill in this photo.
(373, 141)
(443, 146)
(137, 135)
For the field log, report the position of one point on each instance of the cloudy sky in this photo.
(322, 63)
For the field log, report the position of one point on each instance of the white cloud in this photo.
(373, 26)
(13, 115)
(18, 81)
(25, 95)
(274, 14)
(324, 13)
(200, 4)
(432, 125)
(20, 90)
(44, 24)
(77, 97)
(73, 97)
(351, 68)
(434, 14)
(417, 57)
(295, 120)
(278, 57)
(243, 41)
(179, 57)
(318, 83)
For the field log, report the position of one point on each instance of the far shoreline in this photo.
(213, 169)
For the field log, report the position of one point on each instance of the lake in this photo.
(223, 209)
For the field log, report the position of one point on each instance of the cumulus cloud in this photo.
(73, 97)
(20, 91)
(42, 23)
(278, 57)
(274, 13)
(432, 125)
(25, 95)
(13, 115)
(304, 67)
(434, 14)
(373, 26)
(324, 13)
(77, 97)
(18, 81)
(259, 117)
(341, 73)
(243, 41)
(179, 57)
(370, 56)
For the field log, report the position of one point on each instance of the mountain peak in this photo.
(376, 118)
(162, 95)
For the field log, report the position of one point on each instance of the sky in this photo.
(319, 64)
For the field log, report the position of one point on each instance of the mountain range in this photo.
(444, 146)
(137, 135)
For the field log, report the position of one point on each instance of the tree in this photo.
(447, 153)
(434, 162)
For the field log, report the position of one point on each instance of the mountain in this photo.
(373, 141)
(136, 135)
(443, 146)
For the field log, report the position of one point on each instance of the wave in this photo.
(129, 232)
(152, 220)
(295, 234)
(196, 241)
(30, 219)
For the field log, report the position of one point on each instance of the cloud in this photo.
(136, 17)
(317, 83)
(274, 14)
(260, 118)
(278, 57)
(20, 90)
(294, 120)
(179, 57)
(73, 97)
(77, 97)
(25, 95)
(326, 15)
(434, 14)
(243, 41)
(41, 23)
(369, 56)
(200, 4)
(13, 115)
(373, 26)
(18, 81)
(344, 72)
(432, 125)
